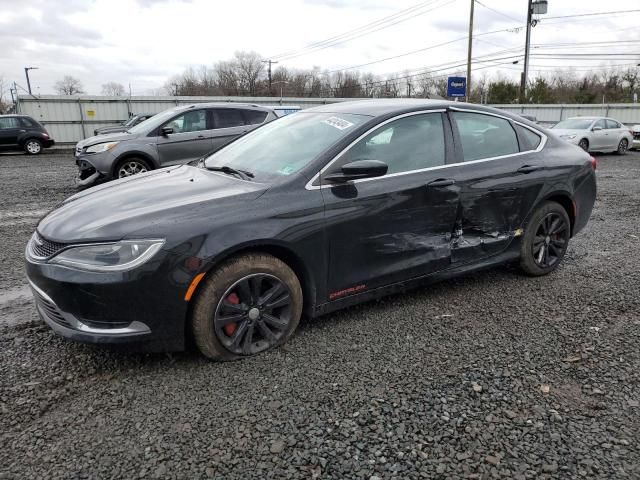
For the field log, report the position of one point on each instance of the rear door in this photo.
(500, 175)
(615, 131)
(391, 228)
(191, 138)
(228, 123)
(10, 129)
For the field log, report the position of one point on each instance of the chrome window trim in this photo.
(541, 145)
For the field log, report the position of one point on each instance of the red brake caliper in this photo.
(233, 299)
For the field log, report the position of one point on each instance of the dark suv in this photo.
(20, 132)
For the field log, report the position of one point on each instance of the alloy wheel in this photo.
(550, 241)
(33, 147)
(254, 314)
(622, 146)
(584, 144)
(131, 168)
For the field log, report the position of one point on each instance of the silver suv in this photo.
(177, 135)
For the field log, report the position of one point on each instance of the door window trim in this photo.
(309, 185)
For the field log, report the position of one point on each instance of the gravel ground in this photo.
(493, 375)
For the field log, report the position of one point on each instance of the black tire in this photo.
(545, 242)
(132, 165)
(33, 146)
(623, 146)
(215, 305)
(584, 144)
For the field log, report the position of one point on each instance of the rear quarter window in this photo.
(253, 117)
(529, 140)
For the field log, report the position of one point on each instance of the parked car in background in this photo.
(177, 135)
(635, 131)
(595, 134)
(21, 132)
(282, 110)
(317, 211)
(124, 126)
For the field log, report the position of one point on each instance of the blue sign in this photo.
(456, 86)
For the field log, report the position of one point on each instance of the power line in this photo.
(360, 32)
(593, 14)
(499, 12)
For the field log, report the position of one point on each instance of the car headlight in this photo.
(109, 257)
(568, 137)
(101, 147)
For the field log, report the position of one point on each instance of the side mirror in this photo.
(358, 169)
(596, 129)
(166, 131)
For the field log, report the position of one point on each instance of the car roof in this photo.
(248, 106)
(14, 115)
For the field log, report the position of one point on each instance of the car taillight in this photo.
(45, 135)
(594, 163)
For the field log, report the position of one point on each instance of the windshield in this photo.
(154, 122)
(574, 123)
(286, 145)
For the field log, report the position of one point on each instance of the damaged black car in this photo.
(313, 212)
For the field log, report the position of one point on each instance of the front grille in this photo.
(42, 248)
(50, 309)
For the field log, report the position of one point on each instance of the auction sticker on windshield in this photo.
(338, 123)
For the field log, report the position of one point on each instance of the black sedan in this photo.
(308, 214)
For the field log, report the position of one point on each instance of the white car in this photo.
(635, 130)
(595, 134)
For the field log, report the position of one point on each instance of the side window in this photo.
(27, 122)
(227, 118)
(600, 124)
(529, 140)
(192, 121)
(409, 143)
(485, 136)
(254, 116)
(8, 122)
(613, 124)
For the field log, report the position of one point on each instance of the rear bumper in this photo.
(635, 143)
(48, 143)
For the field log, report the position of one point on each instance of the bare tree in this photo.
(113, 89)
(249, 68)
(69, 86)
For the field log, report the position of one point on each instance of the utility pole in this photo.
(269, 62)
(473, 2)
(26, 72)
(525, 74)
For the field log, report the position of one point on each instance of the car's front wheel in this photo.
(33, 146)
(131, 166)
(545, 240)
(584, 144)
(252, 303)
(623, 146)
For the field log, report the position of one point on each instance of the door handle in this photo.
(528, 169)
(441, 182)
(200, 136)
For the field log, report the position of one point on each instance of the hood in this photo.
(159, 203)
(110, 137)
(115, 129)
(568, 131)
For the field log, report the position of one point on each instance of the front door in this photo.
(600, 138)
(395, 227)
(10, 129)
(190, 139)
(500, 175)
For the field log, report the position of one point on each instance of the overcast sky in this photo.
(143, 42)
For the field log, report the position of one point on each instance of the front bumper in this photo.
(93, 168)
(144, 306)
(68, 326)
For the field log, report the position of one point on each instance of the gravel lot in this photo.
(494, 375)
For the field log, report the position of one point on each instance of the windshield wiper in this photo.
(243, 174)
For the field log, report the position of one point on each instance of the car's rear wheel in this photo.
(251, 304)
(623, 146)
(545, 240)
(131, 166)
(584, 144)
(33, 146)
